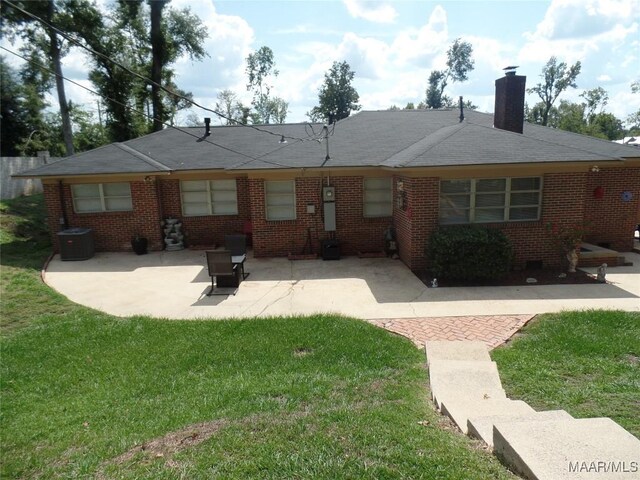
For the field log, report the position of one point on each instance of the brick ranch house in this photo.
(413, 169)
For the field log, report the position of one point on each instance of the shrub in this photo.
(469, 253)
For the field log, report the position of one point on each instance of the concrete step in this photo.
(481, 426)
(461, 409)
(452, 379)
(458, 350)
(568, 449)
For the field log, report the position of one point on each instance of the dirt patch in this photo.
(517, 278)
(631, 359)
(302, 352)
(166, 446)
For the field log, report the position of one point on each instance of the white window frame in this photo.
(506, 207)
(387, 204)
(211, 187)
(102, 197)
(284, 199)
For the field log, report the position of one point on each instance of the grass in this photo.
(88, 395)
(587, 363)
(313, 397)
(24, 247)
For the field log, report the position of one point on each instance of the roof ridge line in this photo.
(145, 158)
(455, 129)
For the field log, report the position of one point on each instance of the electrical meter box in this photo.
(328, 194)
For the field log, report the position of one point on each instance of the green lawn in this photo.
(587, 363)
(89, 395)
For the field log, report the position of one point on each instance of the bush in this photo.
(469, 253)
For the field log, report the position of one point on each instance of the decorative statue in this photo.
(602, 273)
(572, 258)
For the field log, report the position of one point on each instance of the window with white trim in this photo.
(101, 197)
(280, 199)
(209, 197)
(378, 197)
(490, 200)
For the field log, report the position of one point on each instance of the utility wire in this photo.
(146, 79)
(203, 139)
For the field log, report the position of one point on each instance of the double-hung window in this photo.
(209, 197)
(490, 200)
(101, 197)
(378, 197)
(280, 199)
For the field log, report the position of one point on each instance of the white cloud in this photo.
(373, 11)
(419, 47)
(366, 56)
(575, 29)
(228, 44)
(582, 18)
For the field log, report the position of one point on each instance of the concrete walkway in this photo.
(550, 445)
(174, 285)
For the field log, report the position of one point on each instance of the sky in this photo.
(392, 46)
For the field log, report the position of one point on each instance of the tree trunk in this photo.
(54, 52)
(157, 44)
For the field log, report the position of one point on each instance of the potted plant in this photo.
(139, 244)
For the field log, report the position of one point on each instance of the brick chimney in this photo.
(509, 107)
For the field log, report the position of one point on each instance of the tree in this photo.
(337, 97)
(596, 98)
(42, 36)
(158, 60)
(16, 125)
(605, 125)
(459, 64)
(633, 120)
(125, 35)
(557, 77)
(261, 68)
(570, 117)
(233, 110)
(579, 117)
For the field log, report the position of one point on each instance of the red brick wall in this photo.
(562, 203)
(562, 206)
(613, 220)
(112, 231)
(206, 230)
(567, 200)
(354, 232)
(418, 219)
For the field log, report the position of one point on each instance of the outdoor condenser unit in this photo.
(76, 244)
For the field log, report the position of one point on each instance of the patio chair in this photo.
(224, 271)
(237, 245)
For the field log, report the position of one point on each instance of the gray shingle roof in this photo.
(398, 139)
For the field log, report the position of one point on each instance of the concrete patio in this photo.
(174, 285)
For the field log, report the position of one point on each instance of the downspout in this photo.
(64, 221)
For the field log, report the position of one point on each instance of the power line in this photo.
(202, 139)
(146, 79)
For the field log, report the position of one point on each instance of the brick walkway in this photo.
(492, 330)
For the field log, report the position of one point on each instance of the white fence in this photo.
(16, 187)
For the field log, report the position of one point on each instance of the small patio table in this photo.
(239, 260)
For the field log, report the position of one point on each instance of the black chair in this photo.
(224, 271)
(237, 245)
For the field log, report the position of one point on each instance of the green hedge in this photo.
(469, 253)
